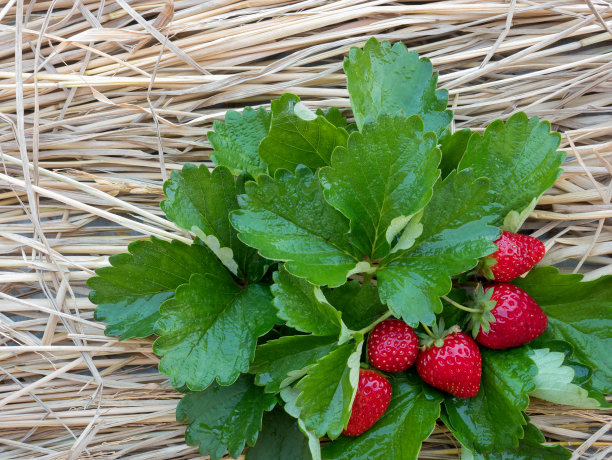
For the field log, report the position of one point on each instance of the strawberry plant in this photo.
(314, 235)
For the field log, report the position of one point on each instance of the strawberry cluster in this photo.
(501, 316)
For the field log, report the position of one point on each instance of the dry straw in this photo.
(100, 100)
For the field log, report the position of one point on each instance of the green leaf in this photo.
(492, 420)
(130, 291)
(456, 233)
(530, 448)
(280, 439)
(288, 219)
(236, 141)
(399, 433)
(383, 177)
(360, 304)
(302, 305)
(385, 78)
(453, 147)
(520, 158)
(279, 363)
(200, 201)
(334, 116)
(224, 418)
(298, 136)
(554, 381)
(327, 391)
(210, 329)
(579, 313)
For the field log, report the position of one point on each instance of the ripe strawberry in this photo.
(392, 346)
(509, 318)
(371, 401)
(451, 362)
(516, 254)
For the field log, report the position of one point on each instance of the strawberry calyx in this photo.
(435, 336)
(484, 267)
(482, 317)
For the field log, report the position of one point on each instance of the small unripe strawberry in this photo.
(516, 255)
(514, 319)
(392, 346)
(450, 361)
(371, 401)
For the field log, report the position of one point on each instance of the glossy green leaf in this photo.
(453, 147)
(334, 116)
(280, 439)
(399, 433)
(301, 305)
(382, 179)
(209, 330)
(520, 158)
(579, 313)
(224, 418)
(530, 448)
(279, 363)
(130, 291)
(554, 381)
(456, 232)
(288, 219)
(200, 201)
(237, 140)
(299, 137)
(327, 391)
(360, 304)
(493, 419)
(385, 78)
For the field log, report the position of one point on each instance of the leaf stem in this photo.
(459, 306)
(429, 333)
(367, 277)
(380, 319)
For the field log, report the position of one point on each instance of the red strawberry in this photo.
(450, 361)
(392, 346)
(510, 317)
(516, 254)
(371, 401)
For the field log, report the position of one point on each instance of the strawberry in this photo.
(516, 255)
(508, 316)
(450, 361)
(371, 401)
(392, 346)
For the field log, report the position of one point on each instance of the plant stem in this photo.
(380, 319)
(459, 306)
(367, 277)
(429, 333)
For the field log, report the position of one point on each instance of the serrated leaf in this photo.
(279, 363)
(236, 141)
(288, 219)
(359, 303)
(130, 291)
(289, 395)
(209, 330)
(530, 448)
(299, 305)
(493, 419)
(327, 391)
(520, 158)
(297, 137)
(381, 177)
(398, 434)
(385, 78)
(554, 381)
(453, 147)
(224, 418)
(200, 201)
(579, 313)
(280, 439)
(456, 232)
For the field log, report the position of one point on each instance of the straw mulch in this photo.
(99, 100)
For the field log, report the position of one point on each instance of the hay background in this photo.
(92, 121)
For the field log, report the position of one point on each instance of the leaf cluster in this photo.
(310, 230)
